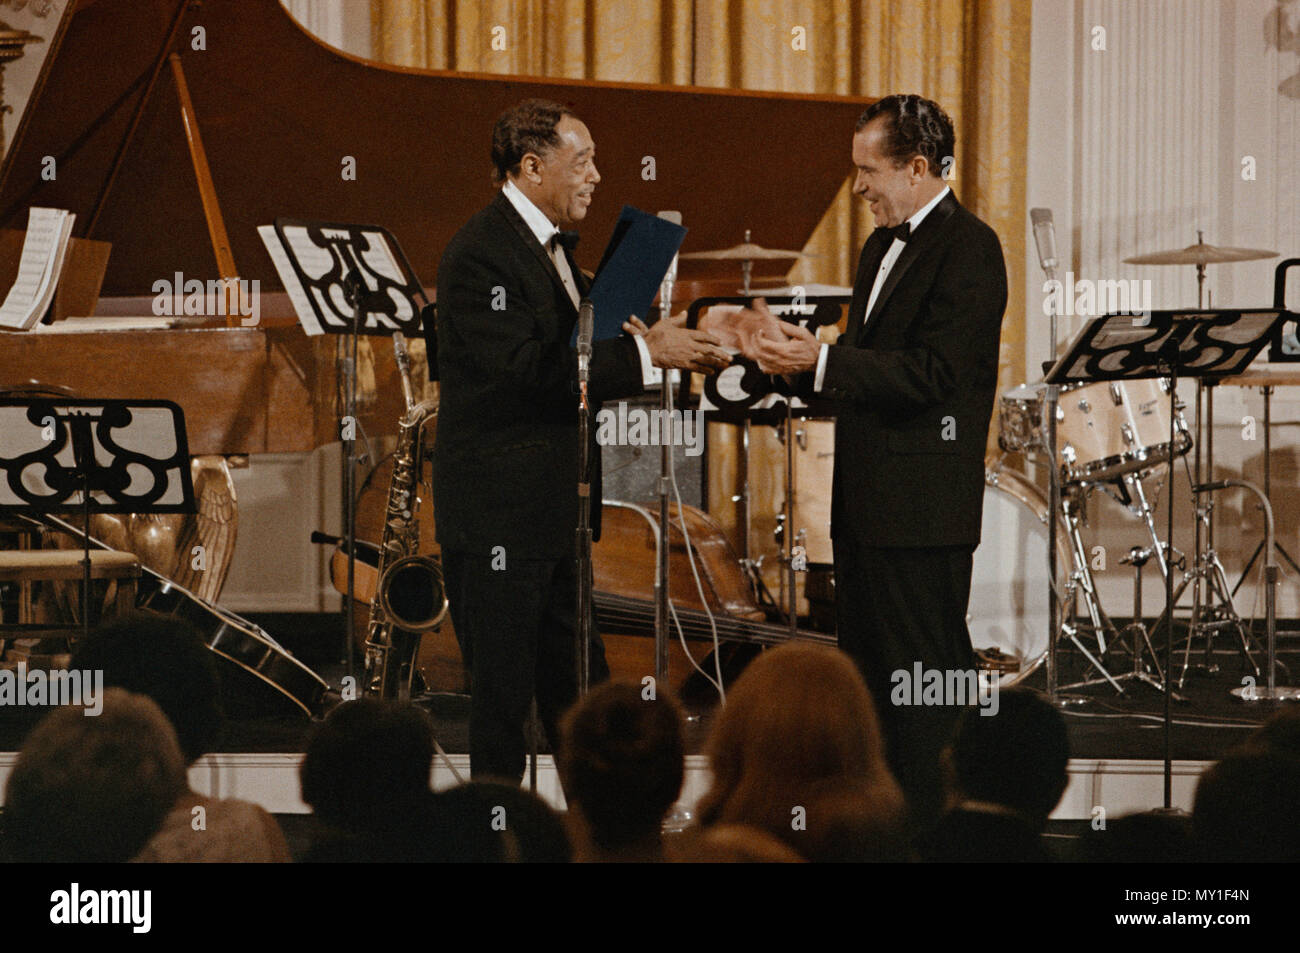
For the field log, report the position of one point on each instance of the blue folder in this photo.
(631, 270)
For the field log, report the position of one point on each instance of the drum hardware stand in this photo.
(1045, 240)
(1080, 581)
(1211, 597)
(1137, 558)
(1276, 353)
(785, 527)
(1271, 692)
(1208, 573)
(1267, 391)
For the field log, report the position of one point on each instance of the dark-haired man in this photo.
(506, 460)
(914, 377)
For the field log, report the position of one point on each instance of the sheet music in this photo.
(317, 262)
(44, 248)
(302, 304)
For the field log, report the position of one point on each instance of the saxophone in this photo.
(410, 597)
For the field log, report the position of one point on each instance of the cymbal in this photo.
(746, 251)
(1200, 254)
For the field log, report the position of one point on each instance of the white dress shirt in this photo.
(544, 229)
(886, 265)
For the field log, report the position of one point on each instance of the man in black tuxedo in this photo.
(505, 463)
(914, 378)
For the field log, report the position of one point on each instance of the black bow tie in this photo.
(901, 232)
(568, 239)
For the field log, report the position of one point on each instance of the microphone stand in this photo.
(1055, 609)
(583, 654)
(662, 607)
(678, 817)
(665, 483)
(353, 289)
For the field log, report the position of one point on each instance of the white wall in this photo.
(1136, 147)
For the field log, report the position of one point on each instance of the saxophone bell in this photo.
(412, 594)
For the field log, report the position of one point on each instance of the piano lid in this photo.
(279, 113)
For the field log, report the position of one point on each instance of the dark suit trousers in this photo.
(516, 629)
(894, 608)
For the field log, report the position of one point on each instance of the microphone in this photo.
(1045, 239)
(586, 326)
(670, 276)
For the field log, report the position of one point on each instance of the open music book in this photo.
(44, 250)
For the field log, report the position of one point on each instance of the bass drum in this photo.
(1008, 611)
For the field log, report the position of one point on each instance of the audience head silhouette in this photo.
(165, 659)
(622, 760)
(367, 763)
(1016, 758)
(93, 789)
(1247, 809)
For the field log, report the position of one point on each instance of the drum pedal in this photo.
(996, 660)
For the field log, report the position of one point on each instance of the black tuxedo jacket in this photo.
(505, 461)
(915, 382)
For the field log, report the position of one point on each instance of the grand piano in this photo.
(177, 128)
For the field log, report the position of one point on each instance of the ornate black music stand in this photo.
(350, 280)
(67, 455)
(1172, 344)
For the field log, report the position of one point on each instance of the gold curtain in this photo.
(970, 56)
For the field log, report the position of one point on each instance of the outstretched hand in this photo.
(672, 344)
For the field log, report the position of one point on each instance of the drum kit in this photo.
(1112, 436)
